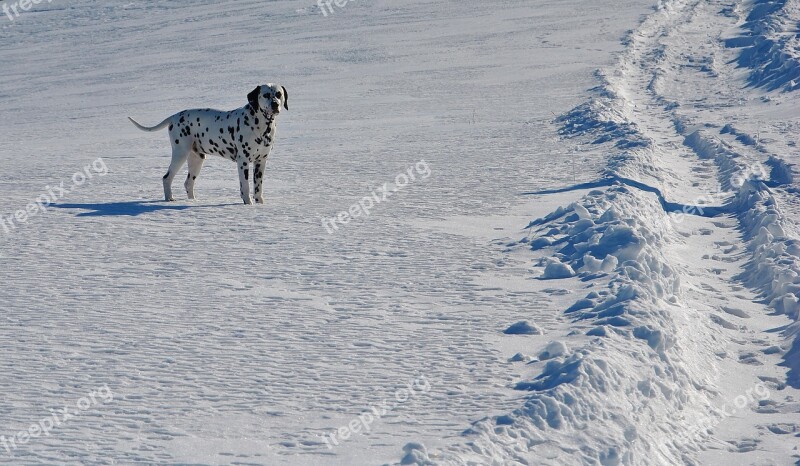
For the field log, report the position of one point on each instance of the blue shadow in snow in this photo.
(698, 210)
(130, 208)
(792, 360)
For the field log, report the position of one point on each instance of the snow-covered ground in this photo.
(596, 262)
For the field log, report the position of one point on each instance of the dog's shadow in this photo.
(129, 209)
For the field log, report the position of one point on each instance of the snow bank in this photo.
(604, 119)
(647, 354)
(644, 352)
(774, 265)
(770, 44)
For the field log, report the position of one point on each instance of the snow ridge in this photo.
(770, 43)
(774, 265)
(645, 355)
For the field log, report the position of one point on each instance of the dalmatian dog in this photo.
(244, 135)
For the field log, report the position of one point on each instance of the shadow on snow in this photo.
(130, 208)
(669, 207)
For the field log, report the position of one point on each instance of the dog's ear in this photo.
(252, 97)
(285, 98)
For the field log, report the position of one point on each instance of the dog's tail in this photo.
(157, 127)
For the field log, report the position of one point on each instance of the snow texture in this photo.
(601, 277)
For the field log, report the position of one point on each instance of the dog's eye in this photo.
(278, 95)
(266, 95)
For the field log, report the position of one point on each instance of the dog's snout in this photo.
(276, 106)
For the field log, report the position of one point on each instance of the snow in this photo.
(522, 327)
(769, 44)
(556, 269)
(599, 263)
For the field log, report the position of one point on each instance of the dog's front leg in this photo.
(244, 182)
(258, 180)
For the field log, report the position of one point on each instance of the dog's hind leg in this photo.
(179, 155)
(195, 165)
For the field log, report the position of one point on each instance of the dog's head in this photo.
(269, 98)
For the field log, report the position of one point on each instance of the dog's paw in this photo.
(259, 200)
(169, 199)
